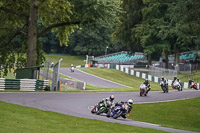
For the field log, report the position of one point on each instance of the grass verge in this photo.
(67, 60)
(182, 114)
(120, 77)
(15, 118)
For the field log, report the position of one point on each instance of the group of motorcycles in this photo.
(110, 110)
(164, 86)
(121, 110)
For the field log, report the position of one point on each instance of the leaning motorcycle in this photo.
(177, 85)
(164, 86)
(194, 85)
(143, 90)
(101, 108)
(119, 111)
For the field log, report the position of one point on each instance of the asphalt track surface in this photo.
(78, 104)
(90, 79)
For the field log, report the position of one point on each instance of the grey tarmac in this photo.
(77, 104)
(91, 79)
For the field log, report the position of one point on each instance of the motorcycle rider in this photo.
(72, 67)
(165, 83)
(146, 82)
(129, 103)
(175, 78)
(164, 80)
(192, 84)
(109, 99)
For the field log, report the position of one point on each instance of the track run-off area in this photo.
(77, 104)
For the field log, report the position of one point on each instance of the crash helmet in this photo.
(162, 78)
(130, 102)
(112, 97)
(175, 78)
(146, 81)
(72, 65)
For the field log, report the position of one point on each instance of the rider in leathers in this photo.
(146, 82)
(164, 80)
(129, 103)
(175, 79)
(109, 99)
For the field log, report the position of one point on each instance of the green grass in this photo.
(120, 77)
(67, 60)
(182, 114)
(194, 76)
(19, 119)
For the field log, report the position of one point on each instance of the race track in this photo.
(77, 104)
(91, 79)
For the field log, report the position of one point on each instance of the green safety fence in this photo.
(23, 84)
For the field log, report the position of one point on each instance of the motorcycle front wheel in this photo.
(118, 114)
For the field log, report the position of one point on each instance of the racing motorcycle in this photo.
(193, 85)
(143, 90)
(177, 85)
(164, 86)
(101, 108)
(72, 69)
(118, 111)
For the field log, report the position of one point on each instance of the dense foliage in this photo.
(171, 26)
(29, 27)
(23, 22)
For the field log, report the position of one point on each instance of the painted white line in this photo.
(148, 123)
(90, 107)
(163, 101)
(104, 79)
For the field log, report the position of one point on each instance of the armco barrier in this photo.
(22, 84)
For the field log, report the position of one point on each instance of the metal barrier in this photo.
(23, 84)
(159, 72)
(67, 82)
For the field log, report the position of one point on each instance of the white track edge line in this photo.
(104, 79)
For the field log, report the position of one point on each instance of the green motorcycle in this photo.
(101, 108)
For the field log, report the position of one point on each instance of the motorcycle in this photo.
(143, 90)
(164, 86)
(177, 85)
(101, 108)
(72, 69)
(194, 85)
(119, 111)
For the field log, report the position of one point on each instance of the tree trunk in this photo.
(166, 58)
(177, 52)
(149, 60)
(32, 35)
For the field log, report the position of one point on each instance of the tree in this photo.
(20, 18)
(185, 25)
(93, 41)
(125, 31)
